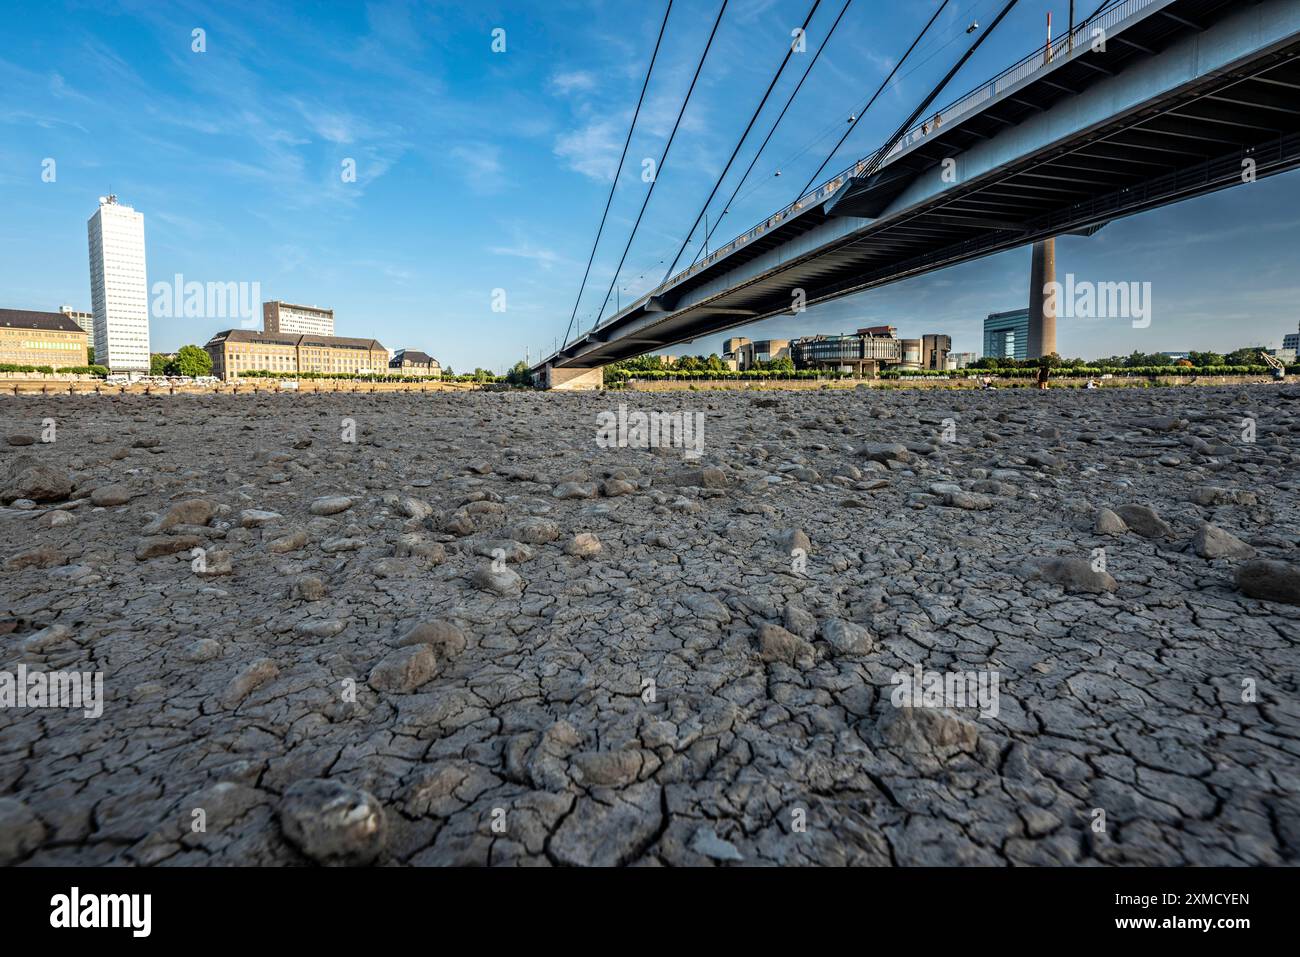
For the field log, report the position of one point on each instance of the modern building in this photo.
(281, 318)
(119, 289)
(413, 362)
(84, 319)
(912, 352)
(863, 353)
(41, 339)
(934, 351)
(1006, 335)
(963, 360)
(1291, 341)
(879, 332)
(746, 354)
(238, 351)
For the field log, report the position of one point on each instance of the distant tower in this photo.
(119, 290)
(1042, 313)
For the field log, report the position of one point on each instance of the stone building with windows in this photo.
(240, 351)
(51, 339)
(414, 363)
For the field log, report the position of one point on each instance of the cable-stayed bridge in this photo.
(1148, 103)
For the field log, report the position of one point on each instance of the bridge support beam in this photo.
(573, 380)
(1042, 307)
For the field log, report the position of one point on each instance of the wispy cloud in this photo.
(592, 149)
(479, 163)
(572, 81)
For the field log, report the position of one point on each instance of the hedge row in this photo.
(268, 374)
(1084, 372)
(755, 374)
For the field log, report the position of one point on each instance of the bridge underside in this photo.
(1228, 127)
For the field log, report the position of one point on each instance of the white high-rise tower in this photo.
(119, 289)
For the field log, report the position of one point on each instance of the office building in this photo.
(86, 320)
(238, 351)
(283, 318)
(41, 339)
(1006, 335)
(1291, 341)
(934, 351)
(862, 354)
(119, 289)
(746, 354)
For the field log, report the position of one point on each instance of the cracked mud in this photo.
(474, 637)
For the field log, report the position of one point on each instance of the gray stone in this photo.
(1270, 580)
(193, 511)
(29, 479)
(404, 670)
(1211, 541)
(502, 581)
(1144, 520)
(1072, 574)
(582, 545)
(333, 823)
(777, 644)
(110, 495)
(330, 505)
(443, 637)
(1108, 523)
(847, 639)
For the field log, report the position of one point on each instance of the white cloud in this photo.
(572, 81)
(522, 249)
(592, 149)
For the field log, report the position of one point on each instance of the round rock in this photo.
(332, 822)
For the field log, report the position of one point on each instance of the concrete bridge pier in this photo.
(572, 379)
(1041, 340)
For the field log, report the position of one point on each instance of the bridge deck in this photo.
(1060, 143)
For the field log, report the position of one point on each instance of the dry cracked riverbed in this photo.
(473, 636)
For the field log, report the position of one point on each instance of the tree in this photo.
(158, 363)
(1248, 356)
(1203, 359)
(90, 355)
(192, 361)
(519, 374)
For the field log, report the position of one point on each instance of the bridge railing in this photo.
(1031, 64)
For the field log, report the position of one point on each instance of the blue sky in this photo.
(479, 171)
